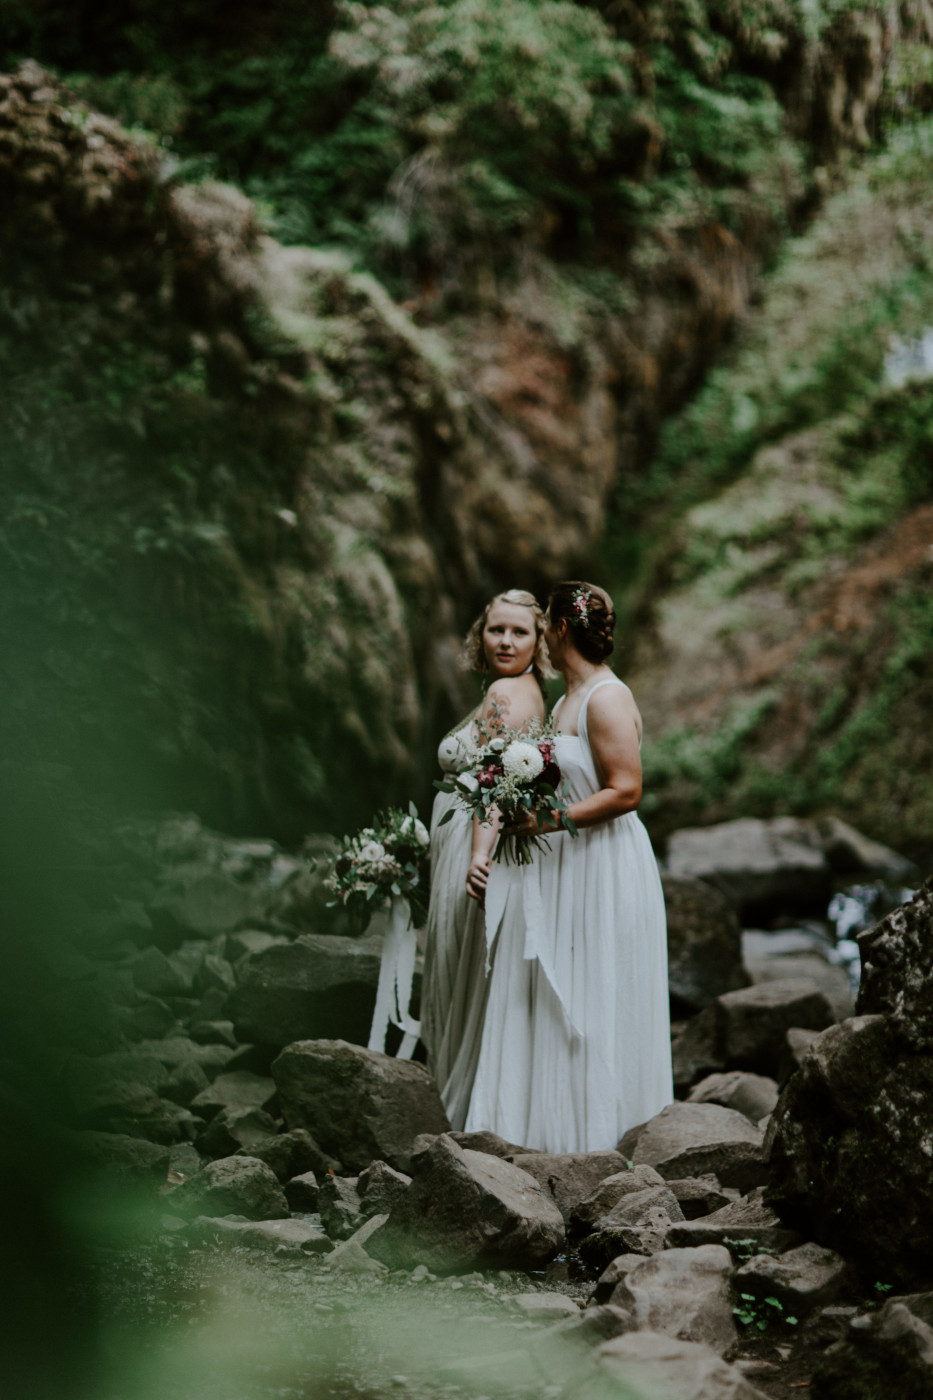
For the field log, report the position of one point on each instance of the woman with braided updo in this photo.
(576, 1041)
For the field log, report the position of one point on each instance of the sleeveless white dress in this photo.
(576, 1037)
(454, 985)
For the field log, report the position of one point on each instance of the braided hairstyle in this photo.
(589, 615)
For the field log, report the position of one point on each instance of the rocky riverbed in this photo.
(266, 1208)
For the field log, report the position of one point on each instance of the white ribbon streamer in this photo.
(396, 974)
(522, 884)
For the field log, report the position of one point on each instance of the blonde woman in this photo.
(506, 645)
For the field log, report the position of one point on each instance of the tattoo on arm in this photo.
(494, 723)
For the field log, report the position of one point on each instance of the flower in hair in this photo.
(581, 606)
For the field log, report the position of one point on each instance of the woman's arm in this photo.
(511, 703)
(613, 726)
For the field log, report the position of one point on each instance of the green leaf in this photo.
(448, 816)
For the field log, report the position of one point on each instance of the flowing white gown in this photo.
(576, 1036)
(454, 986)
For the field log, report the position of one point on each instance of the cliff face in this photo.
(253, 500)
(786, 631)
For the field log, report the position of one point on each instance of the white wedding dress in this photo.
(454, 986)
(575, 1043)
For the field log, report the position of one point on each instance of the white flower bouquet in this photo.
(384, 861)
(517, 775)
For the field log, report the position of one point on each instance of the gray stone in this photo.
(236, 1130)
(286, 1236)
(179, 1049)
(569, 1177)
(882, 1354)
(357, 1103)
(239, 1090)
(754, 1022)
(247, 941)
(704, 943)
(639, 1207)
(753, 1095)
(544, 1306)
(699, 1139)
(339, 1206)
(232, 1186)
(153, 972)
(183, 1082)
(850, 853)
(650, 1364)
(351, 1256)
(850, 1148)
(587, 1214)
(289, 1154)
(130, 1158)
(133, 1110)
(831, 979)
(565, 1349)
(683, 1293)
(314, 988)
(696, 1050)
(204, 903)
(465, 1210)
(797, 1044)
(302, 1193)
(616, 1270)
(739, 1225)
(759, 865)
(897, 970)
(492, 1144)
(699, 1196)
(380, 1188)
(802, 1279)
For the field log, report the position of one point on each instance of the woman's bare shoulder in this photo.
(612, 704)
(511, 700)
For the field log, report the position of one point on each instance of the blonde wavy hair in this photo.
(473, 656)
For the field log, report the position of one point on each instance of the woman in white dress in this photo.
(506, 644)
(576, 1042)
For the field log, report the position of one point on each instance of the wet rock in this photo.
(357, 1103)
(466, 1210)
(239, 1090)
(884, 1353)
(277, 1236)
(302, 1193)
(381, 1188)
(232, 1186)
(704, 943)
(236, 1130)
(289, 1154)
(339, 1206)
(587, 1214)
(682, 1293)
(316, 987)
(753, 1095)
(801, 1279)
(759, 865)
(652, 1364)
(569, 1177)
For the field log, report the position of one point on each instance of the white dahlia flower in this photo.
(522, 761)
(372, 851)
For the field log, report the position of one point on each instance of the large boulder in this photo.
(851, 1140)
(232, 1186)
(569, 1177)
(759, 865)
(467, 1210)
(747, 1029)
(789, 953)
(649, 1363)
(695, 1139)
(683, 1293)
(753, 1095)
(885, 1353)
(704, 944)
(801, 1279)
(356, 1103)
(738, 1225)
(317, 987)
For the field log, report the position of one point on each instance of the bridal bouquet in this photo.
(518, 774)
(384, 861)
